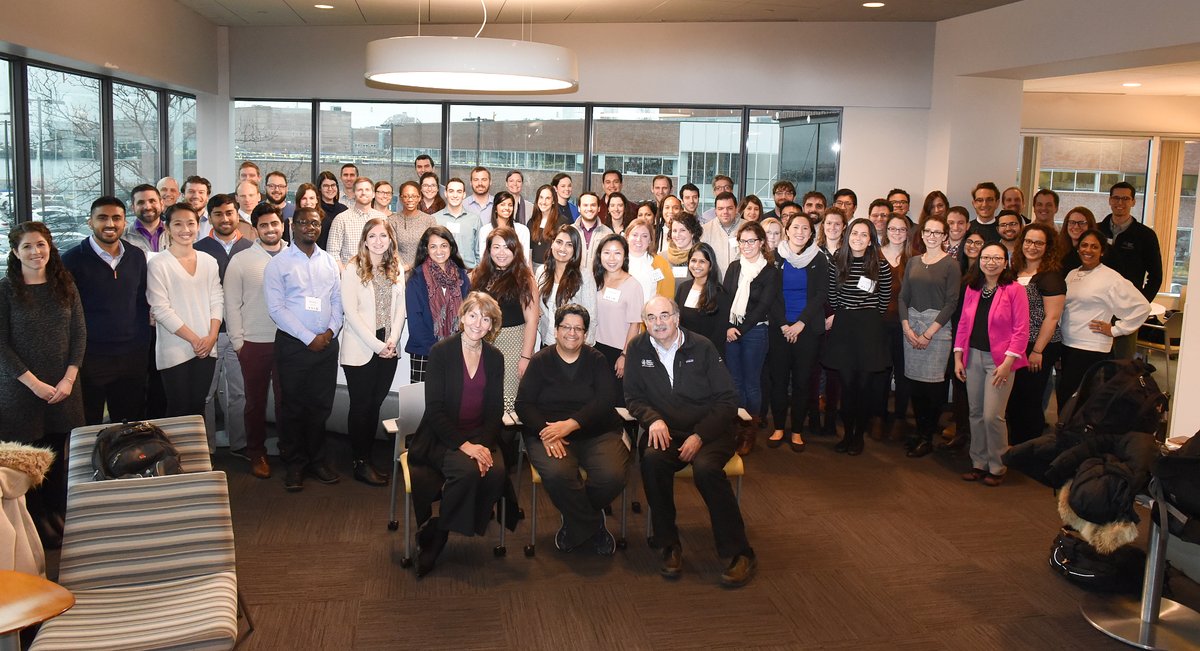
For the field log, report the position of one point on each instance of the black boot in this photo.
(847, 441)
(856, 441)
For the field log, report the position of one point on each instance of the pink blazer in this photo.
(1008, 324)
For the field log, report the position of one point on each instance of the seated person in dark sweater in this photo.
(566, 402)
(678, 389)
(110, 274)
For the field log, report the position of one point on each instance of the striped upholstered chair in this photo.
(151, 564)
(186, 432)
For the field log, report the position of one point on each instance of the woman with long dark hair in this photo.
(435, 289)
(432, 202)
(683, 234)
(1036, 263)
(702, 299)
(619, 303)
(935, 203)
(754, 284)
(1078, 221)
(330, 193)
(895, 251)
(926, 304)
(562, 185)
(373, 299)
(455, 451)
(620, 212)
(543, 223)
(988, 347)
(860, 285)
(504, 206)
(504, 275)
(183, 287)
(669, 209)
(563, 280)
(42, 340)
(967, 257)
(307, 196)
(796, 325)
(831, 232)
(750, 208)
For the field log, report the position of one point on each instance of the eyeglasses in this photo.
(1076, 222)
(928, 233)
(1120, 199)
(277, 186)
(656, 318)
(973, 243)
(1035, 244)
(307, 222)
(897, 229)
(749, 242)
(843, 204)
(330, 184)
(992, 258)
(900, 202)
(572, 329)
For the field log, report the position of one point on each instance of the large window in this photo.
(136, 147)
(1186, 220)
(8, 199)
(382, 139)
(65, 151)
(540, 141)
(181, 134)
(276, 136)
(797, 146)
(689, 145)
(1082, 169)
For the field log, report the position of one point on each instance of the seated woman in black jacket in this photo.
(566, 402)
(455, 449)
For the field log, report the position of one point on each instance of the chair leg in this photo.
(531, 548)
(738, 494)
(406, 560)
(621, 542)
(500, 549)
(392, 524)
(245, 613)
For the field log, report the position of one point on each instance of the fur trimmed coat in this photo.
(22, 467)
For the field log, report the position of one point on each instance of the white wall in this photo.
(1110, 113)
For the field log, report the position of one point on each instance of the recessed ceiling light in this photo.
(1131, 84)
(873, 5)
(323, 6)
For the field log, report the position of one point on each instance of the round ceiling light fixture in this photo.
(475, 65)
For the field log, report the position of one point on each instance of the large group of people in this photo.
(558, 310)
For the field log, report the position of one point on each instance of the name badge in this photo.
(454, 227)
(312, 303)
(679, 272)
(866, 284)
(656, 275)
(612, 295)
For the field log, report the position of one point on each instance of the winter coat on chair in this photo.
(21, 467)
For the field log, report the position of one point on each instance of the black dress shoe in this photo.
(323, 474)
(774, 442)
(797, 447)
(921, 449)
(672, 565)
(293, 480)
(366, 473)
(739, 572)
(842, 447)
(428, 555)
(954, 443)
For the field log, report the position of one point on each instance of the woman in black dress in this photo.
(455, 449)
(703, 302)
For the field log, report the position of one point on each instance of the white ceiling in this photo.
(237, 13)
(1173, 79)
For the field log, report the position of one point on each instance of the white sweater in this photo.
(246, 317)
(178, 299)
(1099, 295)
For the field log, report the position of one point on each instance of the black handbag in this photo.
(135, 449)
(1078, 562)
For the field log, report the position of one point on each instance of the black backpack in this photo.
(1078, 562)
(137, 449)
(1114, 397)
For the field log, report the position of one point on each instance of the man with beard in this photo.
(195, 192)
(147, 232)
(110, 275)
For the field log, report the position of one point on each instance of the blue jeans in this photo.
(745, 358)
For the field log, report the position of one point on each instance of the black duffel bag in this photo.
(1078, 562)
(137, 449)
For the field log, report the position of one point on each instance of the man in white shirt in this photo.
(346, 230)
(590, 229)
(252, 332)
(721, 183)
(480, 202)
(195, 191)
(248, 196)
(349, 176)
(721, 233)
(462, 223)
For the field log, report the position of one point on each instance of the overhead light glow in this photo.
(873, 5)
(1132, 84)
(323, 6)
(836, 147)
(480, 65)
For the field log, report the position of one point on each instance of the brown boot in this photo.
(747, 433)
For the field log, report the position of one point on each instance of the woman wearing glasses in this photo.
(754, 284)
(927, 301)
(1036, 263)
(968, 256)
(989, 346)
(331, 190)
(431, 201)
(896, 251)
(1077, 222)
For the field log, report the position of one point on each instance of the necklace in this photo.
(476, 348)
(988, 291)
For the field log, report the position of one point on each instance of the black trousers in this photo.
(861, 391)
(708, 468)
(927, 401)
(116, 380)
(368, 386)
(611, 355)
(581, 502)
(791, 365)
(903, 393)
(1025, 416)
(308, 380)
(1075, 362)
(186, 385)
(467, 497)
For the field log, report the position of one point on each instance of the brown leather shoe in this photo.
(260, 467)
(739, 572)
(672, 565)
(993, 480)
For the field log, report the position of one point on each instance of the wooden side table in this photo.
(26, 600)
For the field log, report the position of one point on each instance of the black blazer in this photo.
(813, 314)
(764, 291)
(438, 432)
(711, 326)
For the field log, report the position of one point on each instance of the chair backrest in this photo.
(137, 531)
(186, 432)
(1173, 327)
(412, 407)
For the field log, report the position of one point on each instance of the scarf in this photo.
(443, 305)
(675, 255)
(798, 260)
(741, 298)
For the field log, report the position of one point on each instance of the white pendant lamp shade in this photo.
(480, 65)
